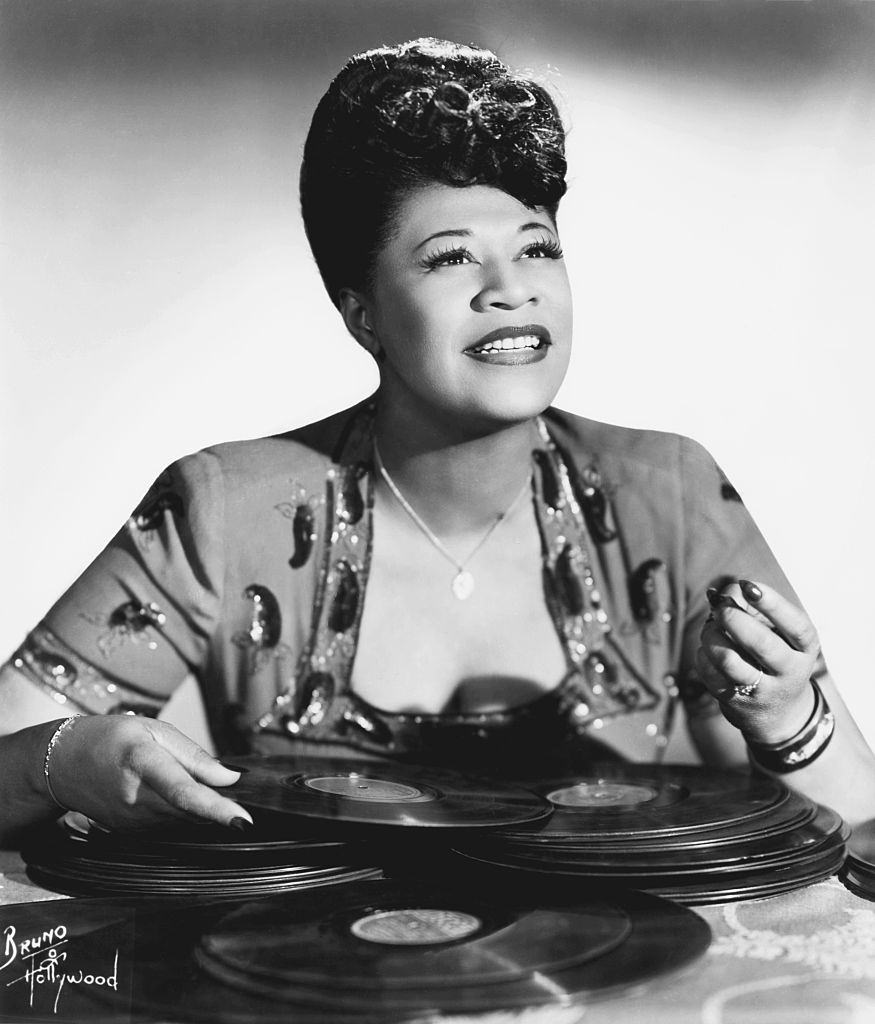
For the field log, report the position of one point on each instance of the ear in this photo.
(354, 309)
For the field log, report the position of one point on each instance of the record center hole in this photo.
(418, 926)
(602, 794)
(361, 787)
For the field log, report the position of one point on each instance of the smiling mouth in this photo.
(511, 345)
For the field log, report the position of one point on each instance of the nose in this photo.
(504, 286)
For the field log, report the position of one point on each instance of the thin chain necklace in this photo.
(462, 584)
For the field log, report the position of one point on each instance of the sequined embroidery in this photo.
(601, 683)
(74, 683)
(262, 634)
(593, 500)
(132, 621)
(149, 515)
(302, 511)
(316, 703)
(650, 598)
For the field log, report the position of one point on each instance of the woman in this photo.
(451, 572)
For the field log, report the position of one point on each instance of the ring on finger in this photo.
(742, 689)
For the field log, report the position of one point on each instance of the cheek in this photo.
(413, 331)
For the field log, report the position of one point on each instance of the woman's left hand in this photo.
(756, 656)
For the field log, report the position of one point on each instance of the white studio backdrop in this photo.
(158, 295)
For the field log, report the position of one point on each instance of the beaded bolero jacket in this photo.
(247, 564)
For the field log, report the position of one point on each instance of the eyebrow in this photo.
(532, 225)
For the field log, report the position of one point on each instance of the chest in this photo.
(423, 649)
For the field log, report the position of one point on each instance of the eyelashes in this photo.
(452, 256)
(456, 255)
(547, 248)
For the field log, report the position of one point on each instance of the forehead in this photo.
(478, 209)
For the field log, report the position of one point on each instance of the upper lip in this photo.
(537, 330)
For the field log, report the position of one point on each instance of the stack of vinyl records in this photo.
(692, 835)
(194, 860)
(859, 871)
(320, 822)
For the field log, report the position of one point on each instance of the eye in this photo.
(543, 248)
(456, 256)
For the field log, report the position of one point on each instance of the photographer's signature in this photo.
(41, 960)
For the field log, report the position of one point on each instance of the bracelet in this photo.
(803, 748)
(56, 735)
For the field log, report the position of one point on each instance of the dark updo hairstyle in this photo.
(422, 112)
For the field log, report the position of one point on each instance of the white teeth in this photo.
(509, 344)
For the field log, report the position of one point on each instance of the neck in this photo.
(458, 479)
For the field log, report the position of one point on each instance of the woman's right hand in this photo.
(125, 772)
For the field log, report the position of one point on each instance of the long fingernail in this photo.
(241, 824)
(751, 591)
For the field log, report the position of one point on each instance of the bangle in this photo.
(803, 748)
(56, 735)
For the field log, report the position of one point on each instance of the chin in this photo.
(509, 406)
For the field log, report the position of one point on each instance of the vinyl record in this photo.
(624, 939)
(859, 869)
(381, 794)
(673, 854)
(408, 936)
(692, 887)
(860, 884)
(616, 800)
(196, 842)
(74, 883)
(129, 865)
(795, 811)
(415, 947)
(757, 884)
(861, 847)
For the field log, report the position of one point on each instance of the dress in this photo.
(247, 564)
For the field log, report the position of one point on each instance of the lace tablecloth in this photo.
(807, 957)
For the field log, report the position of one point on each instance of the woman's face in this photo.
(471, 307)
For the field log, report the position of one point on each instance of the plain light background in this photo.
(158, 294)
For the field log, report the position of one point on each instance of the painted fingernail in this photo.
(751, 591)
(713, 595)
(241, 824)
(233, 767)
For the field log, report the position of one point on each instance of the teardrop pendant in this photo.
(463, 584)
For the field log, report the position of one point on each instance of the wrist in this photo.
(42, 767)
(802, 748)
(37, 738)
(774, 730)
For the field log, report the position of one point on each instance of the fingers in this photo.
(734, 635)
(768, 630)
(720, 664)
(756, 656)
(788, 619)
(197, 762)
(168, 778)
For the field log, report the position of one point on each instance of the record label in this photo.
(415, 927)
(363, 787)
(346, 791)
(602, 794)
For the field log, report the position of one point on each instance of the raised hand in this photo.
(757, 654)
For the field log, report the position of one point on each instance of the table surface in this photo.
(806, 957)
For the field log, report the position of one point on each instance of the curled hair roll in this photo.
(427, 111)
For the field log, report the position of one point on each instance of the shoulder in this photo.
(302, 455)
(629, 451)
